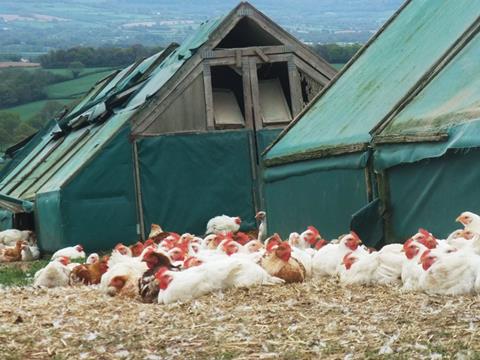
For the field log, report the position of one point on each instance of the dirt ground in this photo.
(317, 319)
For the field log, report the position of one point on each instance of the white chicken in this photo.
(470, 221)
(411, 268)
(72, 252)
(325, 262)
(30, 253)
(195, 281)
(449, 273)
(249, 274)
(55, 274)
(92, 258)
(11, 236)
(304, 258)
(380, 267)
(309, 237)
(223, 224)
(358, 268)
(390, 261)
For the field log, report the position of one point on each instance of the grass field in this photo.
(19, 274)
(68, 72)
(75, 88)
(28, 110)
(63, 92)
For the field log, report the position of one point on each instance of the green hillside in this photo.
(63, 92)
(26, 111)
(73, 89)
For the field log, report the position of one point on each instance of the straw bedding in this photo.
(316, 319)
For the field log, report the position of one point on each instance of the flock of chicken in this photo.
(17, 245)
(169, 267)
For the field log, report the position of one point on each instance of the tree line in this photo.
(18, 86)
(96, 57)
(14, 130)
(335, 53)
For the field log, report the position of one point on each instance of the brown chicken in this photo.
(148, 285)
(11, 254)
(89, 274)
(278, 262)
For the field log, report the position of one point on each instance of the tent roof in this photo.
(56, 159)
(384, 72)
(450, 99)
(444, 115)
(60, 150)
(15, 205)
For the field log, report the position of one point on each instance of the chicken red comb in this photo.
(238, 220)
(429, 240)
(161, 272)
(148, 242)
(65, 260)
(228, 242)
(275, 239)
(149, 252)
(314, 230)
(320, 243)
(228, 235)
(355, 235)
(175, 235)
(241, 238)
(407, 243)
(345, 258)
(424, 232)
(425, 254)
(188, 262)
(168, 243)
(182, 246)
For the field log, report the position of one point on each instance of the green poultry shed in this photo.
(173, 139)
(381, 149)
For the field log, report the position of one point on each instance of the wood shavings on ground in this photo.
(316, 319)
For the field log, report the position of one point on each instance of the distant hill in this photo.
(32, 26)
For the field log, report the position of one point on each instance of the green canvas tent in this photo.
(327, 167)
(172, 139)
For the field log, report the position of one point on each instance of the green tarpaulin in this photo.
(317, 195)
(95, 208)
(432, 193)
(188, 179)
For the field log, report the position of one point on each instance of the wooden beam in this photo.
(262, 55)
(138, 190)
(312, 72)
(230, 61)
(247, 93)
(238, 59)
(295, 88)
(207, 82)
(257, 114)
(247, 51)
